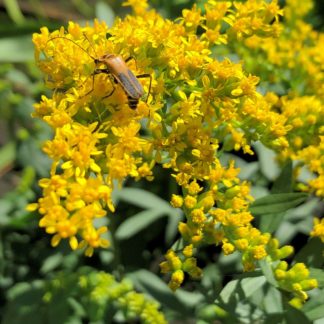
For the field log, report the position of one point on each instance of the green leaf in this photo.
(317, 313)
(248, 171)
(143, 199)
(293, 316)
(270, 222)
(14, 11)
(259, 192)
(311, 253)
(268, 272)
(7, 155)
(16, 49)
(51, 263)
(178, 244)
(267, 159)
(5, 207)
(286, 232)
(251, 285)
(24, 304)
(273, 300)
(151, 284)
(277, 203)
(284, 182)
(228, 291)
(138, 222)
(104, 12)
(313, 308)
(172, 226)
(317, 274)
(77, 308)
(303, 211)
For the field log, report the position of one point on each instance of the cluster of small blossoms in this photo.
(293, 64)
(197, 107)
(132, 304)
(318, 230)
(100, 291)
(228, 225)
(295, 280)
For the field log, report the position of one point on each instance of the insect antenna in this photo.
(85, 35)
(75, 43)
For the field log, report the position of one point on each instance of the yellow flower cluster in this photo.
(197, 108)
(101, 293)
(133, 304)
(295, 280)
(229, 225)
(318, 230)
(97, 139)
(293, 65)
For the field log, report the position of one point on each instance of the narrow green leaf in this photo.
(229, 290)
(313, 308)
(251, 285)
(293, 316)
(143, 199)
(77, 307)
(286, 232)
(303, 211)
(151, 284)
(277, 203)
(104, 12)
(273, 301)
(7, 155)
(14, 11)
(268, 272)
(270, 222)
(138, 222)
(51, 263)
(267, 159)
(318, 274)
(284, 183)
(317, 313)
(172, 226)
(248, 171)
(311, 253)
(178, 244)
(259, 192)
(16, 49)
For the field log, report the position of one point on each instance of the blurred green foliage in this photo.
(29, 266)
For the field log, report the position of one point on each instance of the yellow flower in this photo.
(196, 108)
(318, 230)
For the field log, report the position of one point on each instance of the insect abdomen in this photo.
(132, 102)
(131, 85)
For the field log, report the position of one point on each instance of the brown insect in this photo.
(116, 67)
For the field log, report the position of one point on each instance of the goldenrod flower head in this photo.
(177, 278)
(318, 230)
(188, 251)
(194, 107)
(190, 202)
(228, 248)
(176, 201)
(198, 216)
(295, 280)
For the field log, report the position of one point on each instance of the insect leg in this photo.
(131, 58)
(146, 75)
(93, 78)
(98, 71)
(106, 71)
(111, 92)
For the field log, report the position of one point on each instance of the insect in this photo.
(116, 67)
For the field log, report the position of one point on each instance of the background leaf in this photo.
(16, 49)
(277, 203)
(138, 222)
